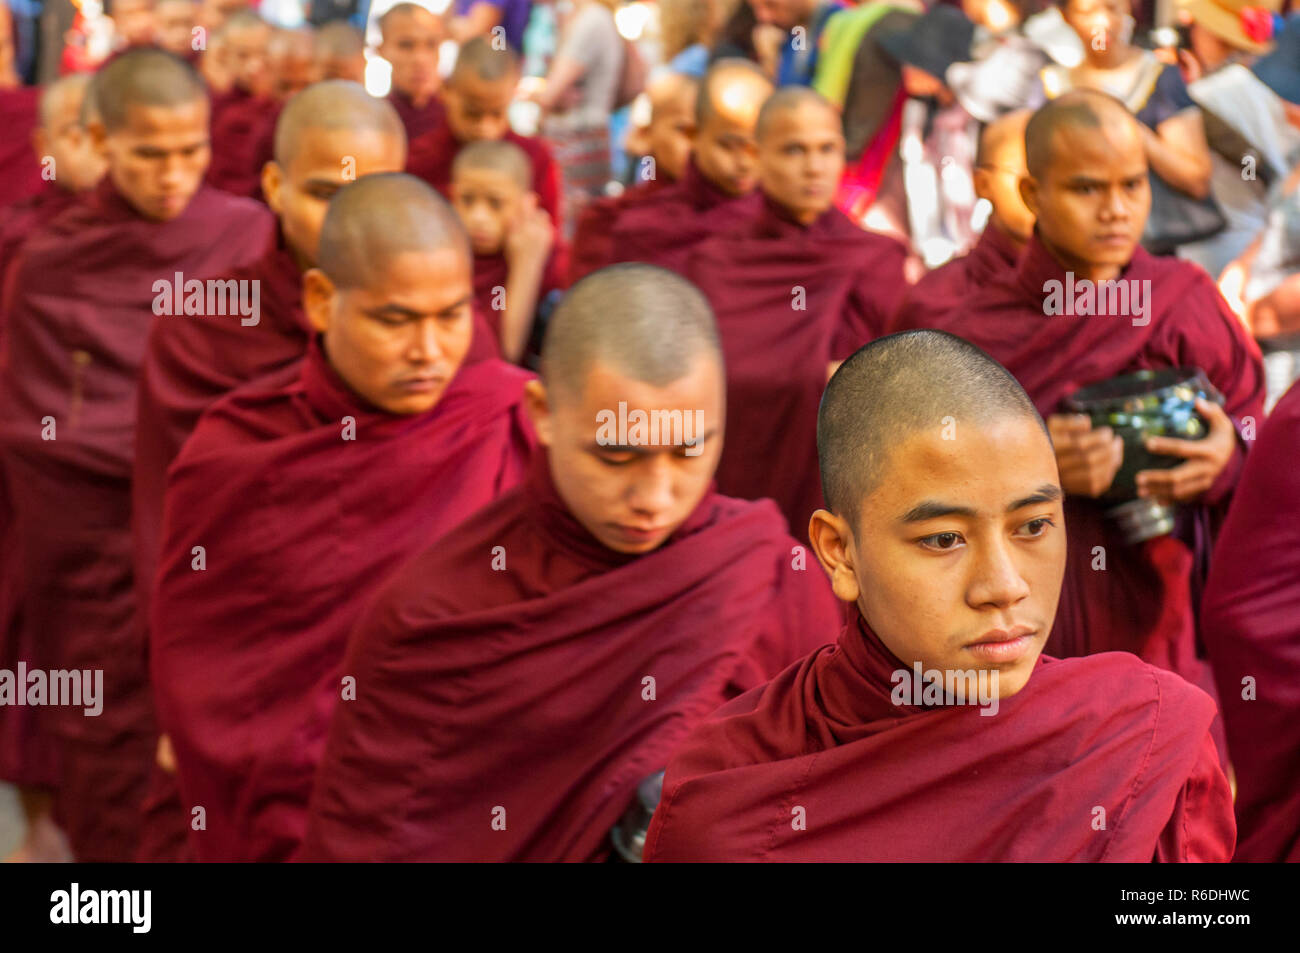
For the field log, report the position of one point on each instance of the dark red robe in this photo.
(80, 310)
(944, 288)
(432, 154)
(300, 525)
(820, 765)
(1143, 600)
(21, 218)
(243, 141)
(543, 688)
(664, 227)
(20, 172)
(593, 238)
(418, 120)
(1251, 625)
(789, 299)
(490, 273)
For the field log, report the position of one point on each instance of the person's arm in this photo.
(527, 248)
(1179, 154)
(480, 19)
(564, 75)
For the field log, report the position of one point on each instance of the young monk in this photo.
(291, 56)
(175, 21)
(341, 52)
(715, 193)
(303, 491)
(85, 289)
(133, 23)
(796, 288)
(514, 269)
(477, 95)
(999, 167)
(1087, 188)
(241, 117)
(935, 729)
(1251, 625)
(409, 39)
(20, 174)
(517, 680)
(664, 147)
(71, 165)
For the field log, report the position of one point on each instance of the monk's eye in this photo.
(1036, 528)
(942, 542)
(616, 458)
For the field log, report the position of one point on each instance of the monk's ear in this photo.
(1029, 193)
(538, 404)
(272, 181)
(98, 137)
(318, 294)
(832, 541)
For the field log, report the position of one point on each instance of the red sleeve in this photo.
(1202, 828)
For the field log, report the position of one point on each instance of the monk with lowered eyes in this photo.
(935, 729)
(519, 678)
(301, 492)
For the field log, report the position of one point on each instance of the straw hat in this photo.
(1243, 24)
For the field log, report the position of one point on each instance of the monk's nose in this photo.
(653, 490)
(426, 347)
(997, 579)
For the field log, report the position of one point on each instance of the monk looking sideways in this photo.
(299, 494)
(945, 529)
(519, 678)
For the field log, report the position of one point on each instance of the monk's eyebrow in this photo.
(933, 510)
(1047, 493)
(397, 309)
(1084, 180)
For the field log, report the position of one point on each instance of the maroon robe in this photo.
(789, 299)
(820, 765)
(21, 218)
(80, 310)
(1251, 625)
(243, 140)
(522, 685)
(1142, 602)
(944, 288)
(490, 273)
(593, 239)
(431, 157)
(664, 227)
(300, 525)
(20, 172)
(418, 120)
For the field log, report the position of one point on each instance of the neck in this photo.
(1082, 269)
(1006, 233)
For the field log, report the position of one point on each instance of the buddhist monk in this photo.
(1088, 191)
(291, 59)
(1251, 625)
(935, 729)
(409, 39)
(174, 28)
(999, 167)
(133, 23)
(341, 52)
(664, 149)
(68, 159)
(714, 193)
(85, 289)
(477, 94)
(796, 288)
(241, 117)
(20, 174)
(299, 494)
(518, 679)
(514, 270)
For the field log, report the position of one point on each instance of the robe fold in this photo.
(21, 218)
(243, 140)
(304, 500)
(1142, 601)
(821, 765)
(1251, 625)
(664, 227)
(789, 299)
(20, 172)
(519, 679)
(83, 297)
(416, 119)
(593, 236)
(432, 154)
(954, 282)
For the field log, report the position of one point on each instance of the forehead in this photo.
(321, 150)
(496, 92)
(1112, 150)
(804, 121)
(737, 100)
(699, 388)
(65, 106)
(488, 180)
(246, 38)
(189, 118)
(412, 24)
(441, 273)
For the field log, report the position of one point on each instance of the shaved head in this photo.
(330, 105)
(61, 93)
(894, 387)
(240, 20)
(644, 321)
(731, 85)
(144, 77)
(375, 219)
(790, 99)
(1003, 135)
(496, 156)
(399, 10)
(477, 58)
(1079, 109)
(339, 38)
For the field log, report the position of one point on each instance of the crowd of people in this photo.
(473, 433)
